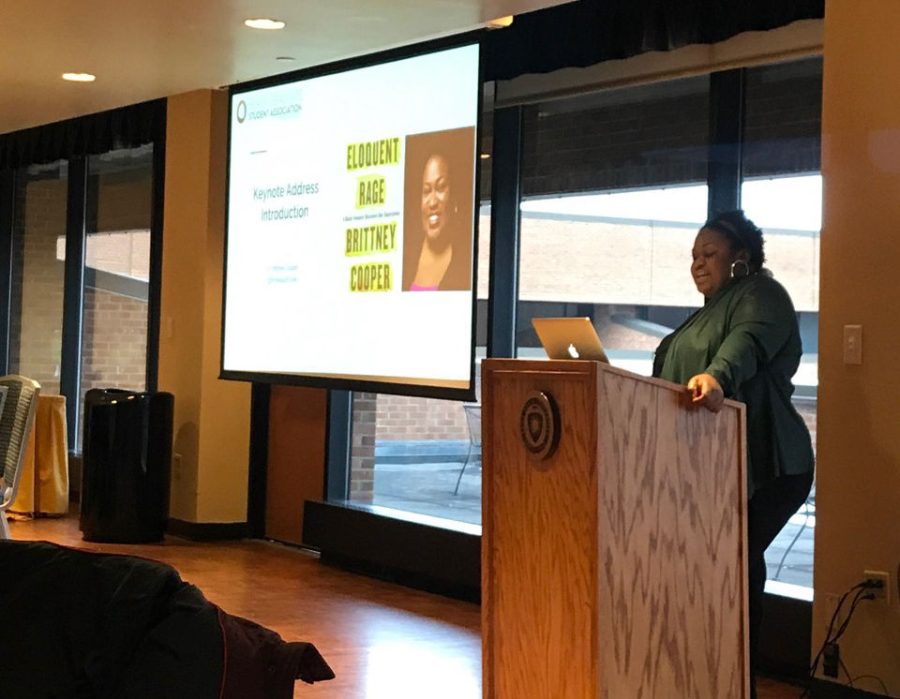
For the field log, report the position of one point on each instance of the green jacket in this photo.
(747, 337)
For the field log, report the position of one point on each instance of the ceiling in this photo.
(142, 50)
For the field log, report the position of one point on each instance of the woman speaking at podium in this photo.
(745, 344)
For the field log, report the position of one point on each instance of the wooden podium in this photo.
(615, 567)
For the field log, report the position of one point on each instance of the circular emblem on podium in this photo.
(539, 425)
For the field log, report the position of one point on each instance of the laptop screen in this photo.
(569, 338)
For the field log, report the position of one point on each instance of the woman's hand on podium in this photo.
(706, 391)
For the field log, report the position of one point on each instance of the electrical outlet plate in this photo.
(884, 592)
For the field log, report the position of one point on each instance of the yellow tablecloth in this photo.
(44, 485)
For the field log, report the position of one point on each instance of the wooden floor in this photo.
(382, 640)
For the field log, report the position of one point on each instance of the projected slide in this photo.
(351, 224)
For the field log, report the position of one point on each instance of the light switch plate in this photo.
(853, 344)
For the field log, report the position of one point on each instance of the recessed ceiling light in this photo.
(264, 23)
(499, 22)
(485, 156)
(79, 77)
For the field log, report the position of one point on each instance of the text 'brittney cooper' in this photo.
(366, 240)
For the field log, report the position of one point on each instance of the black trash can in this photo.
(127, 455)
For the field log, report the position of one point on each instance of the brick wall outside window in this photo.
(37, 281)
(115, 341)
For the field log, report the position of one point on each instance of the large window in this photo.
(782, 193)
(615, 190)
(80, 236)
(117, 271)
(615, 187)
(36, 300)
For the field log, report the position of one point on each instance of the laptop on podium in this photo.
(569, 338)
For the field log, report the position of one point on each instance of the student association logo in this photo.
(279, 106)
(539, 425)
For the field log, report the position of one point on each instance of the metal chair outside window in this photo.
(473, 422)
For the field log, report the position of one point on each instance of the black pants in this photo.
(769, 510)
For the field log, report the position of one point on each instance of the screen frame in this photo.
(467, 394)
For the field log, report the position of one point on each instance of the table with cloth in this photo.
(44, 483)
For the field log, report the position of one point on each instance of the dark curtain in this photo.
(582, 33)
(127, 127)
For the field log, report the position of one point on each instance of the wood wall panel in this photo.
(616, 568)
(296, 470)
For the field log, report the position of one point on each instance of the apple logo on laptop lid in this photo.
(573, 351)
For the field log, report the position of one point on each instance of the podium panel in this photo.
(615, 567)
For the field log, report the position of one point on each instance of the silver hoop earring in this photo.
(744, 273)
